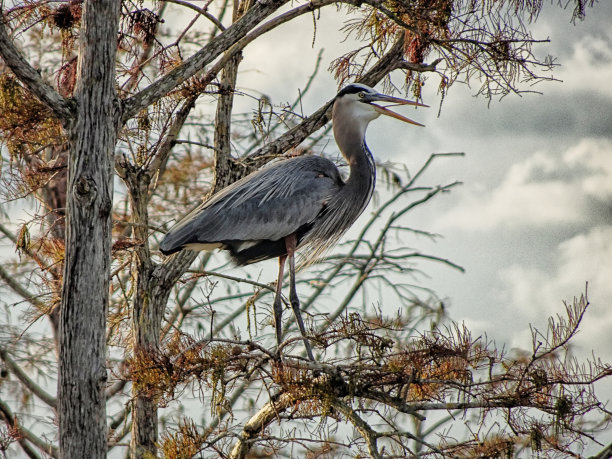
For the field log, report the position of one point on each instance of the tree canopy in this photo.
(118, 116)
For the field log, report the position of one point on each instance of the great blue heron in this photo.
(299, 203)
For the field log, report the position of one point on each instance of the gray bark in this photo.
(257, 423)
(152, 295)
(146, 321)
(85, 290)
(226, 169)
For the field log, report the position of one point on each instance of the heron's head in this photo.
(355, 104)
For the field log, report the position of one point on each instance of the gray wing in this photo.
(269, 204)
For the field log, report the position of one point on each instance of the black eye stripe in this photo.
(352, 89)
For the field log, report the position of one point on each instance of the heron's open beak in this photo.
(396, 101)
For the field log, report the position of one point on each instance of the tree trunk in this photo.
(146, 320)
(225, 167)
(85, 290)
(151, 290)
(153, 286)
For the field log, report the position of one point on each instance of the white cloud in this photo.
(545, 189)
(592, 56)
(596, 157)
(536, 294)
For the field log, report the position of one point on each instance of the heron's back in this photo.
(252, 217)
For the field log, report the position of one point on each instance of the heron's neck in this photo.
(351, 142)
(362, 168)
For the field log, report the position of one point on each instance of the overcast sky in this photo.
(532, 223)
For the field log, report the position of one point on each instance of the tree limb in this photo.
(258, 422)
(12, 366)
(202, 11)
(392, 60)
(605, 453)
(61, 107)
(199, 60)
(368, 434)
(19, 289)
(25, 436)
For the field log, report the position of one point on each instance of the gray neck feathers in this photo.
(360, 184)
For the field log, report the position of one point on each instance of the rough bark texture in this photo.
(85, 293)
(257, 423)
(226, 170)
(153, 284)
(152, 291)
(146, 322)
(150, 301)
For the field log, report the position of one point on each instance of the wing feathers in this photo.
(267, 205)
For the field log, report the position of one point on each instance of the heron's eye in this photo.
(361, 95)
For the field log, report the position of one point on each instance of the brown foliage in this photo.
(26, 125)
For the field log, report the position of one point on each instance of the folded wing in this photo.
(254, 214)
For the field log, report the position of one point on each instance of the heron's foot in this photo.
(295, 304)
(308, 349)
(278, 319)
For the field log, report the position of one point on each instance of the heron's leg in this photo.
(278, 306)
(291, 243)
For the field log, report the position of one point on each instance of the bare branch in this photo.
(368, 434)
(38, 391)
(257, 423)
(390, 61)
(19, 289)
(605, 453)
(199, 10)
(26, 436)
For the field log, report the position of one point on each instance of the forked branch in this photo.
(62, 108)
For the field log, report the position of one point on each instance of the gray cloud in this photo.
(559, 113)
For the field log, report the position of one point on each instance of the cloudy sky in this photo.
(532, 223)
